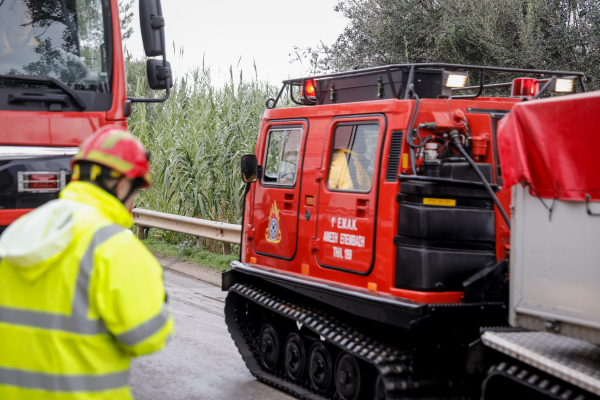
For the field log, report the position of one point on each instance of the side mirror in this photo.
(151, 24)
(159, 75)
(249, 168)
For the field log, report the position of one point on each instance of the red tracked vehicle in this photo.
(62, 76)
(375, 240)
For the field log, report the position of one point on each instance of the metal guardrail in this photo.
(201, 228)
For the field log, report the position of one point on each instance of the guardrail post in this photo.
(199, 242)
(140, 232)
(226, 248)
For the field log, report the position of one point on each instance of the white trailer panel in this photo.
(555, 266)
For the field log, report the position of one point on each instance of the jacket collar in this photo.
(92, 195)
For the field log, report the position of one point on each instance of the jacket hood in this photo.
(35, 240)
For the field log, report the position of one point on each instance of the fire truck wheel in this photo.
(294, 356)
(347, 377)
(269, 347)
(379, 388)
(319, 366)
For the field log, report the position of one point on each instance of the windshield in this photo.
(69, 40)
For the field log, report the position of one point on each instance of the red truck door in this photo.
(348, 194)
(276, 197)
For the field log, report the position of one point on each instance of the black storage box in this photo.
(438, 269)
(377, 86)
(446, 232)
(446, 223)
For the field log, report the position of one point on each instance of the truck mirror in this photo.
(249, 168)
(151, 25)
(159, 74)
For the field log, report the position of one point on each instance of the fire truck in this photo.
(62, 77)
(377, 260)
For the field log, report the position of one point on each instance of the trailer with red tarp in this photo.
(548, 153)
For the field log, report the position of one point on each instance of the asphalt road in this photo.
(201, 362)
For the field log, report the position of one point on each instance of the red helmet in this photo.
(117, 149)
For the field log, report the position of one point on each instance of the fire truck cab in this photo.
(62, 77)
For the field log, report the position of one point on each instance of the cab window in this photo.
(352, 159)
(283, 155)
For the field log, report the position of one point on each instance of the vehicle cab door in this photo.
(276, 195)
(348, 194)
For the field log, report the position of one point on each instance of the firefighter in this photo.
(80, 295)
(17, 26)
(347, 170)
(21, 53)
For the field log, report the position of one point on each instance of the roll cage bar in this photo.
(411, 68)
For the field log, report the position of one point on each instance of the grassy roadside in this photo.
(195, 255)
(196, 140)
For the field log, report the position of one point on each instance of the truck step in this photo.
(567, 359)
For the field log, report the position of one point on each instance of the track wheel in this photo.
(269, 347)
(294, 356)
(379, 388)
(347, 377)
(320, 368)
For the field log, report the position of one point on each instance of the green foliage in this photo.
(196, 140)
(193, 254)
(126, 16)
(541, 34)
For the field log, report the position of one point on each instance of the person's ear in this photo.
(122, 188)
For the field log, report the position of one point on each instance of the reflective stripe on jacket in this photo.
(79, 297)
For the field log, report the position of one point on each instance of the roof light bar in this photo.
(563, 85)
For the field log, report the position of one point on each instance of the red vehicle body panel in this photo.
(376, 212)
(347, 213)
(281, 203)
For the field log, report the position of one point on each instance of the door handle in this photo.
(362, 207)
(288, 201)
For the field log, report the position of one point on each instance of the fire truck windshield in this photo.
(69, 40)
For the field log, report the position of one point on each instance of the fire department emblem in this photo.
(273, 233)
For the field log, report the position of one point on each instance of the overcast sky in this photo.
(264, 31)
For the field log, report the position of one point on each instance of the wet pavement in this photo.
(201, 362)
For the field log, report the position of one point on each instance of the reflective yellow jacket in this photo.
(339, 172)
(79, 297)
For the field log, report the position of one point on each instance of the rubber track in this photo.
(392, 364)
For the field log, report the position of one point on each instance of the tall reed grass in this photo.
(196, 140)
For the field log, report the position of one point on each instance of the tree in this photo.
(126, 15)
(542, 34)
